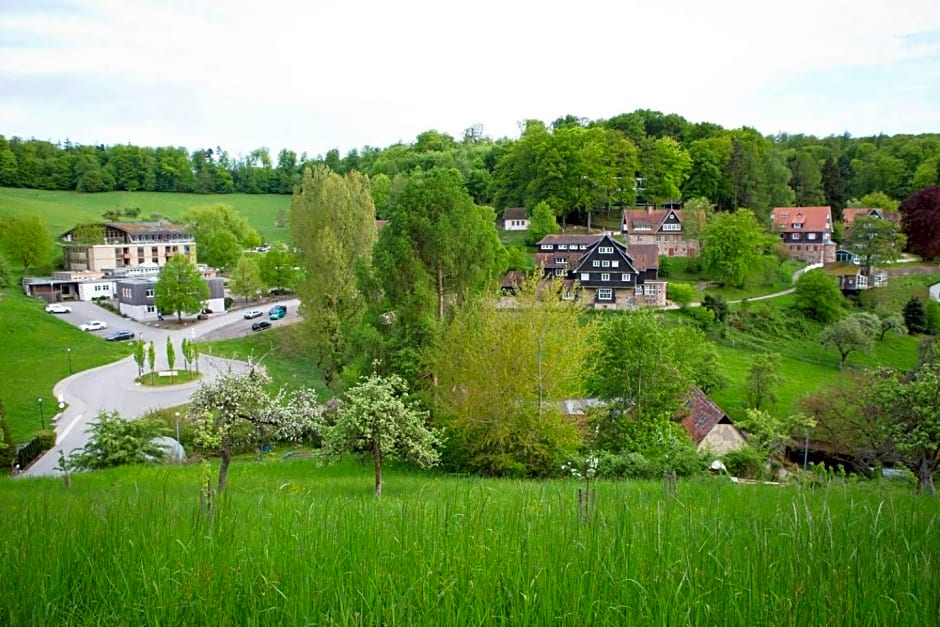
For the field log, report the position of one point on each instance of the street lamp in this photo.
(68, 351)
(42, 418)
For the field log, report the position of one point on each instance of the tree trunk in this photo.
(440, 292)
(589, 222)
(223, 469)
(377, 455)
(925, 477)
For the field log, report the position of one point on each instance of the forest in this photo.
(577, 166)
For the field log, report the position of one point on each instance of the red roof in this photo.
(645, 256)
(809, 218)
(850, 213)
(702, 415)
(646, 219)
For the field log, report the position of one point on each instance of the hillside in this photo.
(63, 210)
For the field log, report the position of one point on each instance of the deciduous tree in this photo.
(818, 296)
(763, 379)
(379, 420)
(731, 245)
(875, 241)
(245, 280)
(920, 219)
(542, 222)
(236, 410)
(849, 334)
(333, 224)
(221, 234)
(25, 239)
(502, 373)
(278, 268)
(180, 287)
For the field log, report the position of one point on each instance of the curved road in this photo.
(112, 387)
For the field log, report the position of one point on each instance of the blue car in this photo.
(277, 312)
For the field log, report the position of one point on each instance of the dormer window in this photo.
(796, 225)
(563, 247)
(547, 247)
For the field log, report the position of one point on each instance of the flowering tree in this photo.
(237, 410)
(378, 419)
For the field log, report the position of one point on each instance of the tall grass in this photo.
(292, 543)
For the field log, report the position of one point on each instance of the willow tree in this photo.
(333, 225)
(502, 375)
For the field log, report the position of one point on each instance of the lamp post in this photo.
(68, 351)
(42, 418)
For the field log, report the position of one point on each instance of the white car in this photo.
(93, 325)
(58, 308)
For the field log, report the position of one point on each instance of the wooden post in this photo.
(586, 499)
(669, 482)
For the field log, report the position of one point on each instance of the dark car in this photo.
(261, 325)
(119, 336)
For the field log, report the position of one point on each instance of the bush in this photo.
(665, 267)
(115, 442)
(45, 439)
(744, 462)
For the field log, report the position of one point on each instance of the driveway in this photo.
(112, 387)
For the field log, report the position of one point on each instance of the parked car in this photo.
(119, 336)
(254, 313)
(93, 325)
(261, 325)
(277, 312)
(58, 308)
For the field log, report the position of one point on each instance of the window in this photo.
(810, 236)
(614, 264)
(605, 276)
(606, 250)
(563, 247)
(650, 290)
(585, 276)
(605, 264)
(794, 236)
(559, 272)
(567, 295)
(547, 247)
(561, 261)
(796, 225)
(151, 308)
(583, 246)
(596, 263)
(672, 227)
(605, 293)
(149, 292)
(625, 276)
(638, 290)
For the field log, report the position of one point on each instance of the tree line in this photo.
(574, 164)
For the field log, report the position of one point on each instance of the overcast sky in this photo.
(321, 74)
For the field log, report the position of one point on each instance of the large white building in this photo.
(118, 245)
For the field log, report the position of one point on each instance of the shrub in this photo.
(665, 267)
(680, 293)
(744, 462)
(45, 439)
(702, 317)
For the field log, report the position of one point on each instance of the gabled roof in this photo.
(566, 238)
(515, 213)
(850, 213)
(645, 256)
(702, 415)
(606, 240)
(647, 220)
(809, 219)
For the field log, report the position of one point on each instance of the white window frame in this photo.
(563, 247)
(605, 276)
(614, 264)
(625, 277)
(585, 276)
(810, 236)
(559, 272)
(795, 236)
(546, 247)
(606, 250)
(605, 293)
(596, 263)
(605, 263)
(672, 226)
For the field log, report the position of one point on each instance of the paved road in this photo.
(112, 387)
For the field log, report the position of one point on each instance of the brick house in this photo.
(659, 227)
(806, 232)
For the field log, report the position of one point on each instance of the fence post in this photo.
(586, 499)
(669, 482)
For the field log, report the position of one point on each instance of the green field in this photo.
(35, 358)
(63, 210)
(296, 544)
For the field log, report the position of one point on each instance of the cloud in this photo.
(317, 75)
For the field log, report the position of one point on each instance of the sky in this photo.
(321, 74)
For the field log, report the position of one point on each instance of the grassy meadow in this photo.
(295, 543)
(63, 210)
(35, 357)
